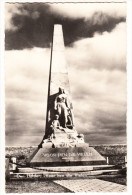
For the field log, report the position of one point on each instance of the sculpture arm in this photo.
(55, 104)
(67, 103)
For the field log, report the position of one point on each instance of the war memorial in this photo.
(62, 144)
(63, 155)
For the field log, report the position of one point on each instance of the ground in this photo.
(116, 155)
(34, 187)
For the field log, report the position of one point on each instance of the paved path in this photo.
(91, 185)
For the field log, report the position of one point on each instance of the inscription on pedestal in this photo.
(75, 154)
(67, 154)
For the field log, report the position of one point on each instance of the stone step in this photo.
(67, 168)
(63, 175)
(88, 172)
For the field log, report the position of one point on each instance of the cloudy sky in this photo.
(95, 40)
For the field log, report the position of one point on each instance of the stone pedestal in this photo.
(71, 156)
(66, 149)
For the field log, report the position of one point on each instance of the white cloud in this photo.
(106, 51)
(10, 10)
(93, 11)
(16, 8)
(26, 84)
(95, 93)
(86, 10)
(98, 81)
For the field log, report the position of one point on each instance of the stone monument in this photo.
(62, 144)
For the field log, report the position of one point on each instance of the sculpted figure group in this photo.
(63, 118)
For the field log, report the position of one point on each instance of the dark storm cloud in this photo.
(33, 25)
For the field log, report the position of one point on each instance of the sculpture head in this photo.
(56, 116)
(61, 90)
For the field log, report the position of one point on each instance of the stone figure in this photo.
(70, 119)
(62, 108)
(55, 125)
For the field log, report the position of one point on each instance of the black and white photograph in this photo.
(65, 86)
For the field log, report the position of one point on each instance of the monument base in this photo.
(68, 156)
(67, 149)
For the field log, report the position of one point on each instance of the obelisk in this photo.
(58, 77)
(61, 144)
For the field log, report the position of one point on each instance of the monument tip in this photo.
(57, 23)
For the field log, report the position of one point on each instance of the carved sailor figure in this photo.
(62, 107)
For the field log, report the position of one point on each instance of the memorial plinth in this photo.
(62, 145)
